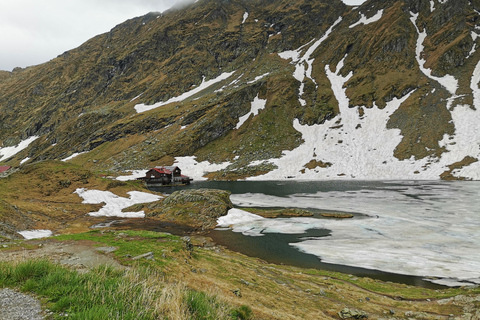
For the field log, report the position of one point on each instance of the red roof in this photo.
(162, 170)
(4, 168)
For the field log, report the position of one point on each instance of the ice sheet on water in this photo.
(420, 229)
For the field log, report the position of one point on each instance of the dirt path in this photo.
(79, 254)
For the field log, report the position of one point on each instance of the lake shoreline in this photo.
(426, 229)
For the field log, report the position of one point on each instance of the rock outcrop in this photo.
(333, 80)
(199, 208)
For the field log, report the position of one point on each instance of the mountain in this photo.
(266, 89)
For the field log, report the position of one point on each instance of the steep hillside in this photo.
(274, 89)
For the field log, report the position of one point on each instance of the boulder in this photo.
(347, 313)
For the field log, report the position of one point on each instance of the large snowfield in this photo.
(361, 147)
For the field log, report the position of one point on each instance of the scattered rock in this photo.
(245, 282)
(106, 249)
(148, 256)
(347, 313)
(187, 242)
(237, 292)
(19, 306)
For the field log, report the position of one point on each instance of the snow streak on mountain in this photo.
(262, 90)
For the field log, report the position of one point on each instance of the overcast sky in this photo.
(36, 31)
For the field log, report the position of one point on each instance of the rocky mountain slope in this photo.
(308, 89)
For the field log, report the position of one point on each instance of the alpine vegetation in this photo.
(261, 90)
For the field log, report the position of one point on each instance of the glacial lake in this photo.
(425, 233)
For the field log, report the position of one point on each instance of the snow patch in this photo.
(304, 65)
(9, 152)
(196, 170)
(245, 17)
(351, 146)
(354, 146)
(447, 81)
(135, 174)
(233, 84)
(474, 47)
(76, 154)
(114, 204)
(363, 19)
(258, 78)
(466, 139)
(204, 85)
(136, 97)
(257, 105)
(24, 160)
(36, 234)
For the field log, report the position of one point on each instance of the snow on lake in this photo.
(425, 229)
(115, 204)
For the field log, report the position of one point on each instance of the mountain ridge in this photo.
(328, 73)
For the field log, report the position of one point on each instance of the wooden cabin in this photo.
(165, 176)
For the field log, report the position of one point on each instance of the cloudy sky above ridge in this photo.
(34, 32)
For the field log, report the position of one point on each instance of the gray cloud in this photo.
(33, 32)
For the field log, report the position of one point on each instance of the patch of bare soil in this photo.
(78, 254)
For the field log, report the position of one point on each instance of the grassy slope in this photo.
(154, 58)
(271, 291)
(41, 195)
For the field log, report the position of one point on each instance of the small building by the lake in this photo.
(165, 176)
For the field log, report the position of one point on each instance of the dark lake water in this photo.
(394, 235)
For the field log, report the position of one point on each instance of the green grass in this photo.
(102, 293)
(107, 293)
(131, 243)
(157, 288)
(394, 289)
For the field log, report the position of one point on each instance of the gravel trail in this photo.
(18, 306)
